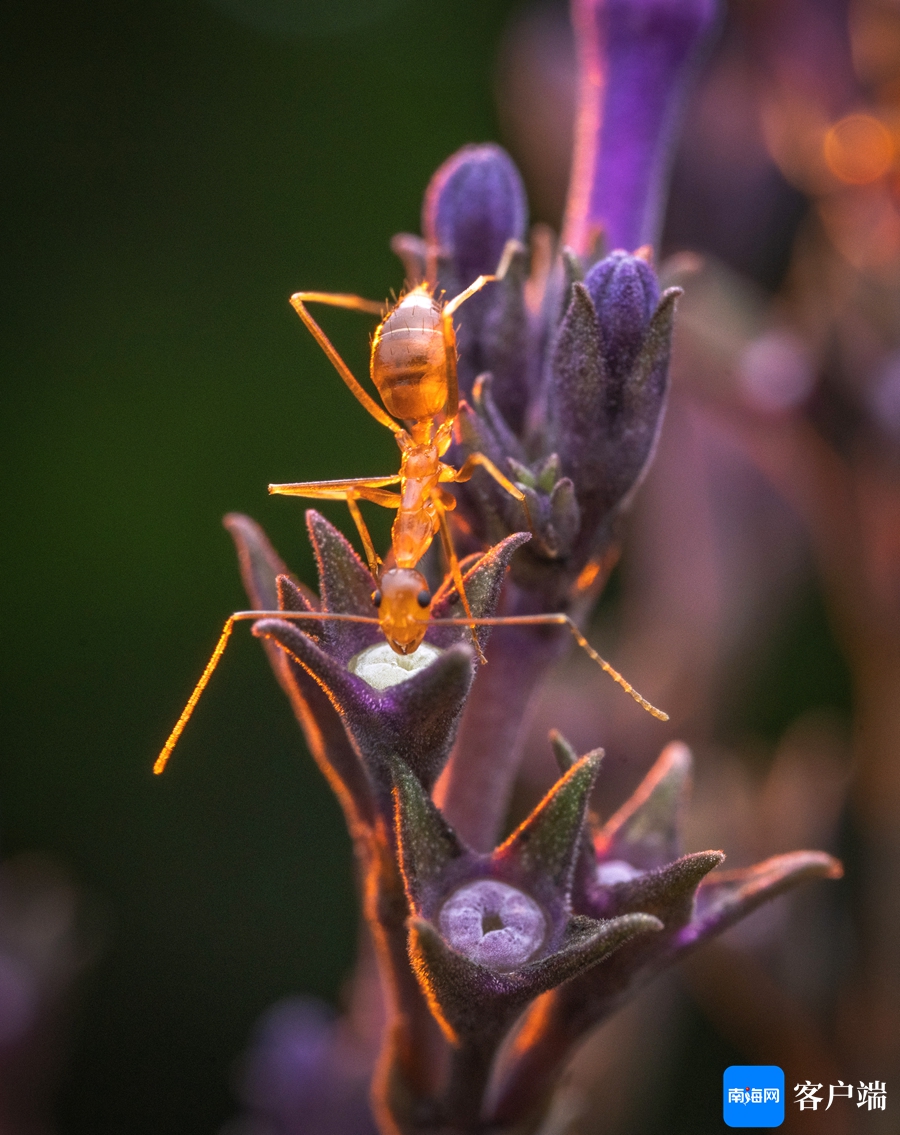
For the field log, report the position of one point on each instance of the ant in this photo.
(413, 367)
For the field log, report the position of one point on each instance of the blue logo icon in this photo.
(753, 1095)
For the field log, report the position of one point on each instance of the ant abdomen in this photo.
(409, 362)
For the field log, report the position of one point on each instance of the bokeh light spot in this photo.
(775, 372)
(858, 149)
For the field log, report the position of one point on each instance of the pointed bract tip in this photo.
(426, 843)
(545, 845)
(566, 755)
(645, 830)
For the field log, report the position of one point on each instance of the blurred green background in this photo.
(174, 172)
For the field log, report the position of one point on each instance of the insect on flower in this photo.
(413, 367)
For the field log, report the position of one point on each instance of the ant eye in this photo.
(424, 597)
(376, 598)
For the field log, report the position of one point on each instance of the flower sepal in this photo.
(488, 933)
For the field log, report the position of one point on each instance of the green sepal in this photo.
(469, 999)
(656, 345)
(566, 754)
(668, 893)
(425, 841)
(644, 831)
(543, 848)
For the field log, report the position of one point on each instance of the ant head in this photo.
(403, 600)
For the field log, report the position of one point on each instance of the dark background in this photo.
(172, 174)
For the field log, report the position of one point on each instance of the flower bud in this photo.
(475, 203)
(624, 292)
(608, 380)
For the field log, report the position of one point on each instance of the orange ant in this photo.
(413, 367)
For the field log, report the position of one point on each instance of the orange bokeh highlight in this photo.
(588, 574)
(858, 149)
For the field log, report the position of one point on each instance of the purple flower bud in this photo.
(608, 381)
(474, 204)
(625, 293)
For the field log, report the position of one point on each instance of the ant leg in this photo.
(509, 251)
(457, 301)
(341, 299)
(558, 620)
(365, 488)
(372, 556)
(456, 573)
(451, 409)
(476, 286)
(163, 759)
(478, 459)
(474, 460)
(299, 305)
(318, 616)
(360, 488)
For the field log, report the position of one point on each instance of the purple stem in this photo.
(636, 58)
(474, 791)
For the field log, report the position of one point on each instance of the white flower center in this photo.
(493, 924)
(381, 666)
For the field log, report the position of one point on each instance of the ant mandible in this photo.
(413, 368)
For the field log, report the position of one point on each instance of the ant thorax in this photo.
(420, 462)
(416, 521)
